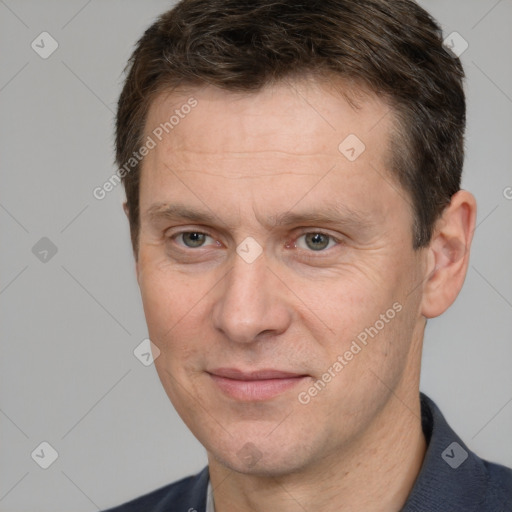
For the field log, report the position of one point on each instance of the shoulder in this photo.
(452, 476)
(499, 487)
(187, 494)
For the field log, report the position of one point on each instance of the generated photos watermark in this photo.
(355, 348)
(149, 144)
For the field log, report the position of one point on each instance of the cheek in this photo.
(352, 300)
(164, 302)
(176, 313)
(158, 305)
(367, 320)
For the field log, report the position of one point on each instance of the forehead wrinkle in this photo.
(302, 164)
(264, 152)
(255, 175)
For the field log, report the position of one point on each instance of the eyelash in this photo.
(293, 243)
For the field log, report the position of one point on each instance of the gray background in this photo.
(69, 325)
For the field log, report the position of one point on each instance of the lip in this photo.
(255, 385)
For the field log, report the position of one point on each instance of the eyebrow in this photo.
(336, 214)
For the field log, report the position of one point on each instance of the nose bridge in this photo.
(248, 303)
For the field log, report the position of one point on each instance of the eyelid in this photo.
(320, 231)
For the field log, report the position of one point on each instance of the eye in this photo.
(191, 239)
(315, 241)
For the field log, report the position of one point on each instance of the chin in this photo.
(256, 463)
(261, 456)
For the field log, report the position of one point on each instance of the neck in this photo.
(376, 473)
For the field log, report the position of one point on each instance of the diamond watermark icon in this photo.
(44, 455)
(249, 250)
(454, 455)
(249, 454)
(44, 45)
(146, 352)
(351, 147)
(44, 250)
(455, 44)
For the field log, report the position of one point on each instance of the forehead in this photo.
(301, 118)
(265, 152)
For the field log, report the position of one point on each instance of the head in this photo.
(297, 208)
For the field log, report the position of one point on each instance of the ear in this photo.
(448, 254)
(126, 210)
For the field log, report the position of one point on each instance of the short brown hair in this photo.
(393, 47)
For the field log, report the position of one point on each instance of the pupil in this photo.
(196, 239)
(318, 240)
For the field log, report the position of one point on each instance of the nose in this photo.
(250, 304)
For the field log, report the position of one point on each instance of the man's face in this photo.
(333, 298)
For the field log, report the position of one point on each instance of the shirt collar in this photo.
(210, 507)
(451, 477)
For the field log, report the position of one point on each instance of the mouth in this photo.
(256, 385)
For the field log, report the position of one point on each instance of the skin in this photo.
(244, 159)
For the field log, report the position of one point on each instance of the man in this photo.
(292, 174)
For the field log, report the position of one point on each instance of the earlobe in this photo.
(448, 254)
